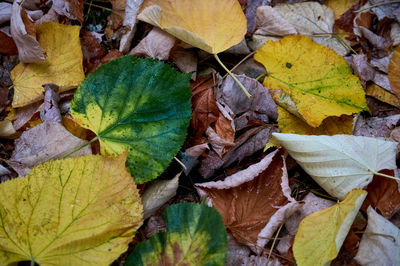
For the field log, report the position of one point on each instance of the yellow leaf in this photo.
(382, 95)
(394, 71)
(340, 6)
(318, 80)
(78, 211)
(333, 125)
(321, 234)
(211, 25)
(63, 64)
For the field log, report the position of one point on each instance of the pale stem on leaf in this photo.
(233, 76)
(388, 176)
(80, 147)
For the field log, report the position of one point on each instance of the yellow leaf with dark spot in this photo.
(321, 234)
(211, 25)
(77, 211)
(63, 65)
(333, 125)
(318, 80)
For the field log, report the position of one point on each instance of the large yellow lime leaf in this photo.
(211, 25)
(333, 125)
(321, 234)
(63, 65)
(318, 80)
(78, 211)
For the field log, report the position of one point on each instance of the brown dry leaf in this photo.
(50, 16)
(394, 71)
(366, 72)
(253, 202)
(48, 140)
(375, 126)
(157, 44)
(246, 145)
(260, 107)
(218, 143)
(92, 50)
(8, 46)
(387, 10)
(74, 128)
(24, 114)
(251, 10)
(383, 195)
(72, 9)
(50, 111)
(205, 109)
(115, 19)
(23, 31)
(383, 95)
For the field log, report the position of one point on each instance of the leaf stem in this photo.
(80, 147)
(273, 243)
(233, 76)
(376, 5)
(388, 176)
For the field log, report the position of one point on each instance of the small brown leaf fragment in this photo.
(205, 109)
(72, 9)
(50, 111)
(185, 60)
(92, 50)
(345, 21)
(253, 202)
(7, 46)
(157, 44)
(383, 195)
(218, 144)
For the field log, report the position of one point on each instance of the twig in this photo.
(376, 5)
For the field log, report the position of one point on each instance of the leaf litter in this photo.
(229, 134)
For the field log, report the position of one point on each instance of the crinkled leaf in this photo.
(253, 202)
(195, 236)
(340, 163)
(318, 80)
(75, 211)
(211, 25)
(321, 234)
(63, 64)
(140, 105)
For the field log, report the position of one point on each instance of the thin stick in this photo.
(388, 176)
(376, 5)
(80, 147)
(273, 243)
(240, 62)
(182, 164)
(233, 76)
(102, 7)
(12, 86)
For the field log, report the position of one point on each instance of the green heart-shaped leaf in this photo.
(139, 105)
(195, 235)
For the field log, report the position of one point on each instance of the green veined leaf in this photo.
(139, 105)
(195, 236)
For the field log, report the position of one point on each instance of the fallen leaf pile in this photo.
(199, 132)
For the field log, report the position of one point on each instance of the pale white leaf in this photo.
(340, 163)
(380, 243)
(158, 193)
